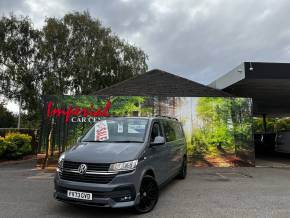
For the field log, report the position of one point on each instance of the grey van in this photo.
(122, 162)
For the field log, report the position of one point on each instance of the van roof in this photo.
(148, 117)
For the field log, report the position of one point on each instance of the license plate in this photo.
(80, 195)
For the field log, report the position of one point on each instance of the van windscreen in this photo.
(123, 129)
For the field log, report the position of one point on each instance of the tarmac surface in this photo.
(263, 191)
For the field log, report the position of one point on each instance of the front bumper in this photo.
(104, 195)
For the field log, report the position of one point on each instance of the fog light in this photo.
(126, 198)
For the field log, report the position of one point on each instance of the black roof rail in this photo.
(168, 117)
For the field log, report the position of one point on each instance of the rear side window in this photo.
(172, 130)
(169, 131)
(178, 131)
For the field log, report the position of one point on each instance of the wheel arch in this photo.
(149, 172)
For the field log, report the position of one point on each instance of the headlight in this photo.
(125, 166)
(60, 163)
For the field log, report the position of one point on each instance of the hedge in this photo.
(15, 145)
(3, 146)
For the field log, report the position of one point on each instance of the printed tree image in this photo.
(221, 132)
(218, 131)
(58, 135)
(132, 106)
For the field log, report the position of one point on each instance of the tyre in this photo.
(183, 170)
(149, 193)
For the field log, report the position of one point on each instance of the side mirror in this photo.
(79, 139)
(159, 140)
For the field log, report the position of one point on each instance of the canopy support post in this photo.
(265, 123)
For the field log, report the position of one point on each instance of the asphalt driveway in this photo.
(207, 192)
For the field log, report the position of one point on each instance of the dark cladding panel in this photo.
(269, 86)
(259, 70)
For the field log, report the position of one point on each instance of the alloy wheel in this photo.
(149, 193)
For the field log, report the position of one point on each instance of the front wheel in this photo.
(149, 193)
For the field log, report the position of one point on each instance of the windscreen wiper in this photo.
(126, 141)
(114, 141)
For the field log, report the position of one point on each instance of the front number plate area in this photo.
(80, 195)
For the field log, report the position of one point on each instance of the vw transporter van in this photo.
(122, 162)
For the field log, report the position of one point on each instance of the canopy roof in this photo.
(160, 83)
(267, 83)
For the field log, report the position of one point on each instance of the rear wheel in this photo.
(183, 170)
(149, 193)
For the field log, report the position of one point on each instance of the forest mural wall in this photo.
(218, 130)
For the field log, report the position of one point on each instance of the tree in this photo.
(19, 75)
(71, 55)
(81, 56)
(8, 120)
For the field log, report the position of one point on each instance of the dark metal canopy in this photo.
(267, 83)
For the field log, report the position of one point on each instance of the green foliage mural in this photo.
(224, 130)
(57, 134)
(218, 131)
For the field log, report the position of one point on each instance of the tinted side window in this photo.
(169, 131)
(178, 131)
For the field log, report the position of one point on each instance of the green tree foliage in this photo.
(87, 56)
(224, 123)
(81, 56)
(7, 119)
(3, 146)
(215, 114)
(57, 133)
(19, 61)
(128, 105)
(273, 124)
(121, 105)
(71, 55)
(282, 124)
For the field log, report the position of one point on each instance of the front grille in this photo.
(100, 179)
(65, 174)
(69, 165)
